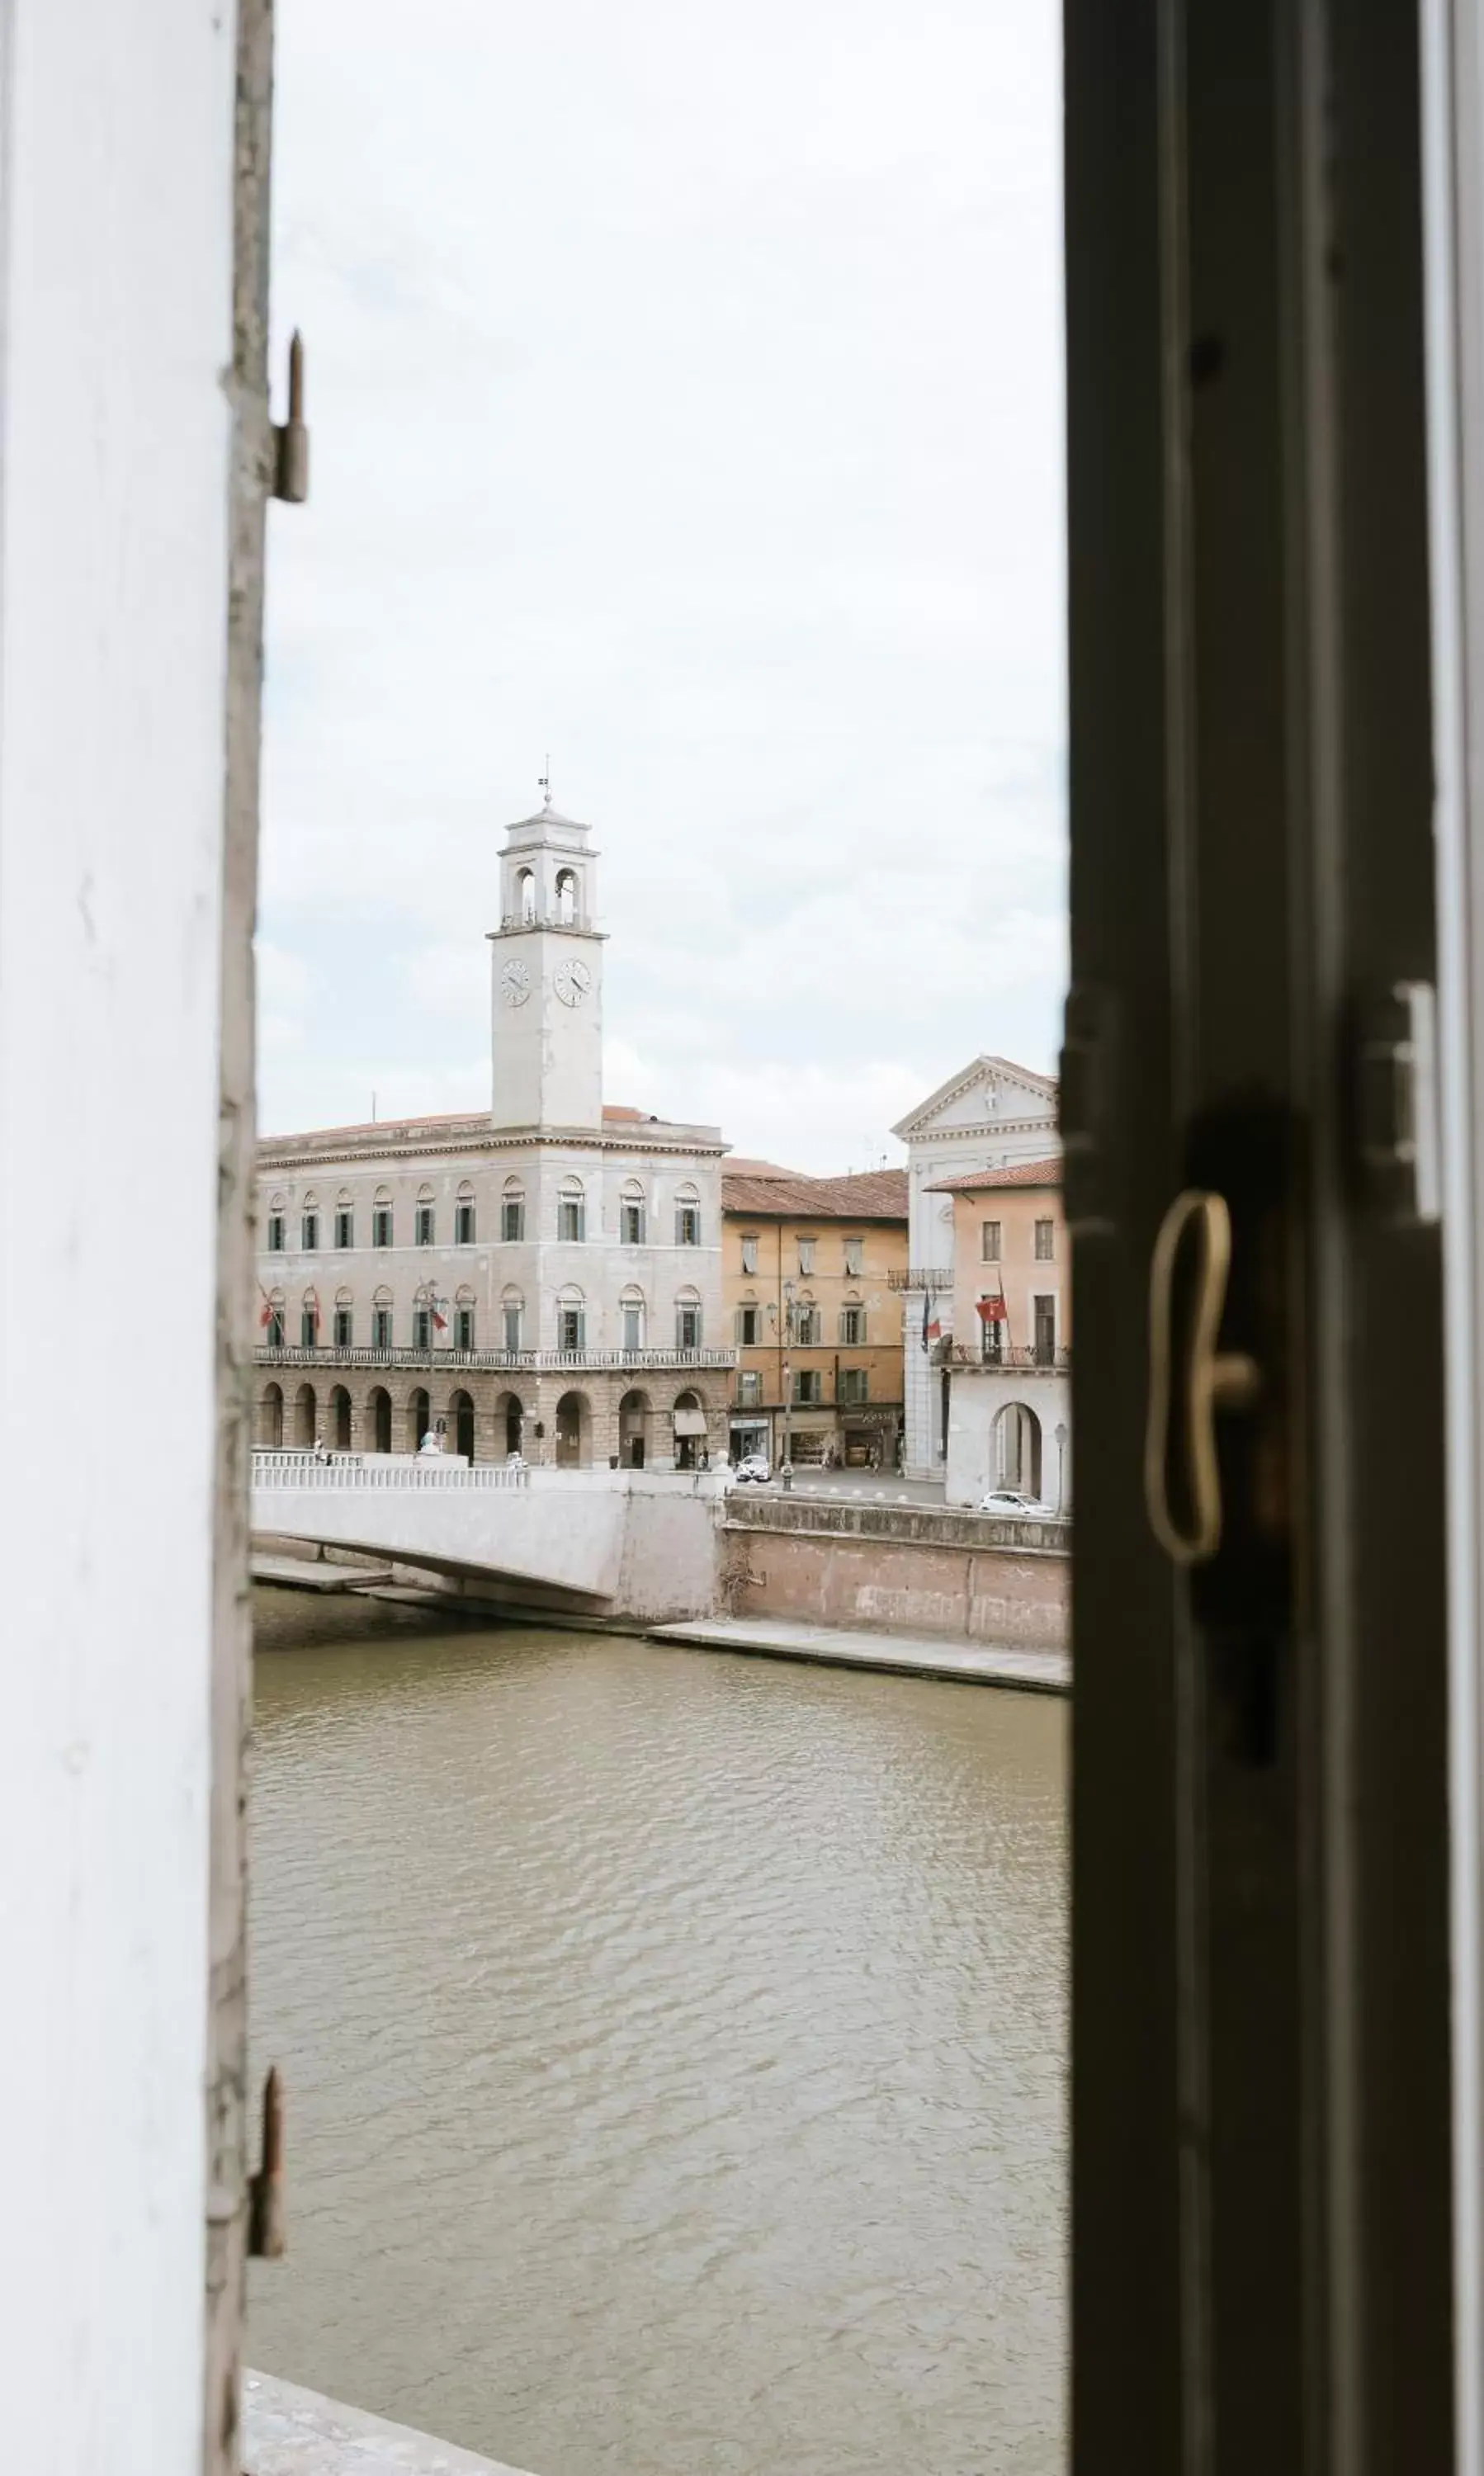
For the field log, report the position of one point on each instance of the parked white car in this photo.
(1012, 1506)
(755, 1468)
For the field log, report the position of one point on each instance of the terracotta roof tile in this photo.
(615, 1115)
(1035, 1173)
(875, 1195)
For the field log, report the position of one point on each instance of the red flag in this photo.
(440, 1321)
(994, 1311)
(934, 1331)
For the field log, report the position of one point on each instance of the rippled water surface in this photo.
(675, 2046)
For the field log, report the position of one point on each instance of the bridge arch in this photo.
(460, 1420)
(378, 1418)
(270, 1418)
(574, 1431)
(304, 1413)
(1017, 1448)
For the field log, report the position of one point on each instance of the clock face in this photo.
(572, 982)
(516, 983)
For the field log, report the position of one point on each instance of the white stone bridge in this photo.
(638, 1544)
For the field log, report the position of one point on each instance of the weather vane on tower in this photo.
(544, 785)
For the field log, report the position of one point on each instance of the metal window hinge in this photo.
(1397, 1101)
(265, 2216)
(291, 437)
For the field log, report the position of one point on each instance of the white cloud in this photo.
(686, 401)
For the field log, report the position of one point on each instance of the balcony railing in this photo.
(1030, 1354)
(923, 1277)
(513, 1361)
(276, 1470)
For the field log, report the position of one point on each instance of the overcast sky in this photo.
(686, 394)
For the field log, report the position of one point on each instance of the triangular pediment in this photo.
(989, 1092)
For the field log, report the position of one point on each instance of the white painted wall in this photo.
(976, 1396)
(115, 293)
(987, 1118)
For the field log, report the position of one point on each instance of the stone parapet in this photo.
(920, 1524)
(292, 2432)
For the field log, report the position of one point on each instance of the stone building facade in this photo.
(991, 1115)
(812, 1270)
(1007, 1369)
(544, 1277)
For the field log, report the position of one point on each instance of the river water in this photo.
(676, 2054)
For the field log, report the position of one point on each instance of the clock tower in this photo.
(547, 1043)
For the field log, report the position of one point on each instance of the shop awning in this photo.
(690, 1422)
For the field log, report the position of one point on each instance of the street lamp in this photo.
(788, 1377)
(1059, 1433)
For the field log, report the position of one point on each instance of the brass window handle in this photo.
(1190, 1379)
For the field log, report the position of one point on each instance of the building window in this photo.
(571, 1213)
(422, 1328)
(749, 1389)
(422, 1226)
(687, 1225)
(308, 1234)
(992, 1340)
(274, 1233)
(631, 1224)
(809, 1330)
(464, 1328)
(1045, 1312)
(989, 1241)
(381, 1327)
(513, 1217)
(688, 1324)
(569, 1328)
(308, 1326)
(381, 1224)
(509, 1317)
(855, 1258)
(464, 1224)
(810, 1386)
(852, 1325)
(344, 1327)
(806, 1247)
(749, 1326)
(1044, 1247)
(275, 1327)
(344, 1226)
(855, 1384)
(749, 1254)
(632, 1313)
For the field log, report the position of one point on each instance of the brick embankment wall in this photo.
(900, 1569)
